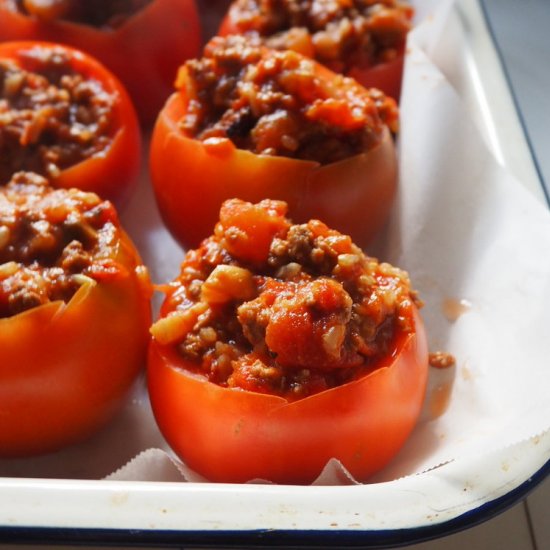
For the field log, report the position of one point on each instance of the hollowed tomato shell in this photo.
(144, 52)
(112, 173)
(191, 180)
(66, 369)
(232, 435)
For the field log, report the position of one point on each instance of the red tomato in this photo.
(232, 435)
(211, 13)
(144, 52)
(65, 368)
(112, 172)
(192, 178)
(282, 346)
(385, 75)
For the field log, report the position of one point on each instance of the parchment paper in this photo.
(476, 245)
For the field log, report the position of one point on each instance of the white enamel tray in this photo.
(449, 498)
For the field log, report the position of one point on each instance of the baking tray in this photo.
(447, 499)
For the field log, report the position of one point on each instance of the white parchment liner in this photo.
(466, 230)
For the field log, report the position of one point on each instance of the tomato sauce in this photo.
(51, 117)
(51, 241)
(278, 103)
(290, 310)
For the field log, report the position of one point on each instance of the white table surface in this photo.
(522, 31)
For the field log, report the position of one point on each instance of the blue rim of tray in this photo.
(276, 538)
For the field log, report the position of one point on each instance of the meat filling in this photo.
(281, 308)
(278, 103)
(338, 33)
(51, 117)
(51, 242)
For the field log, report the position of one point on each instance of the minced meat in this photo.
(51, 117)
(97, 13)
(285, 309)
(51, 241)
(341, 34)
(280, 103)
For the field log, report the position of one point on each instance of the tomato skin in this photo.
(111, 174)
(385, 76)
(191, 179)
(144, 52)
(232, 435)
(65, 369)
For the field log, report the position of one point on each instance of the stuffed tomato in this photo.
(65, 116)
(362, 39)
(254, 123)
(280, 347)
(74, 315)
(141, 41)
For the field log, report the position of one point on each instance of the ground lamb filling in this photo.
(339, 33)
(285, 309)
(51, 117)
(51, 242)
(279, 103)
(96, 13)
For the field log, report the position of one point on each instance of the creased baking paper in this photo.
(477, 246)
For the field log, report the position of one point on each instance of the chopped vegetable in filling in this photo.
(338, 33)
(97, 13)
(51, 117)
(286, 309)
(51, 242)
(280, 103)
